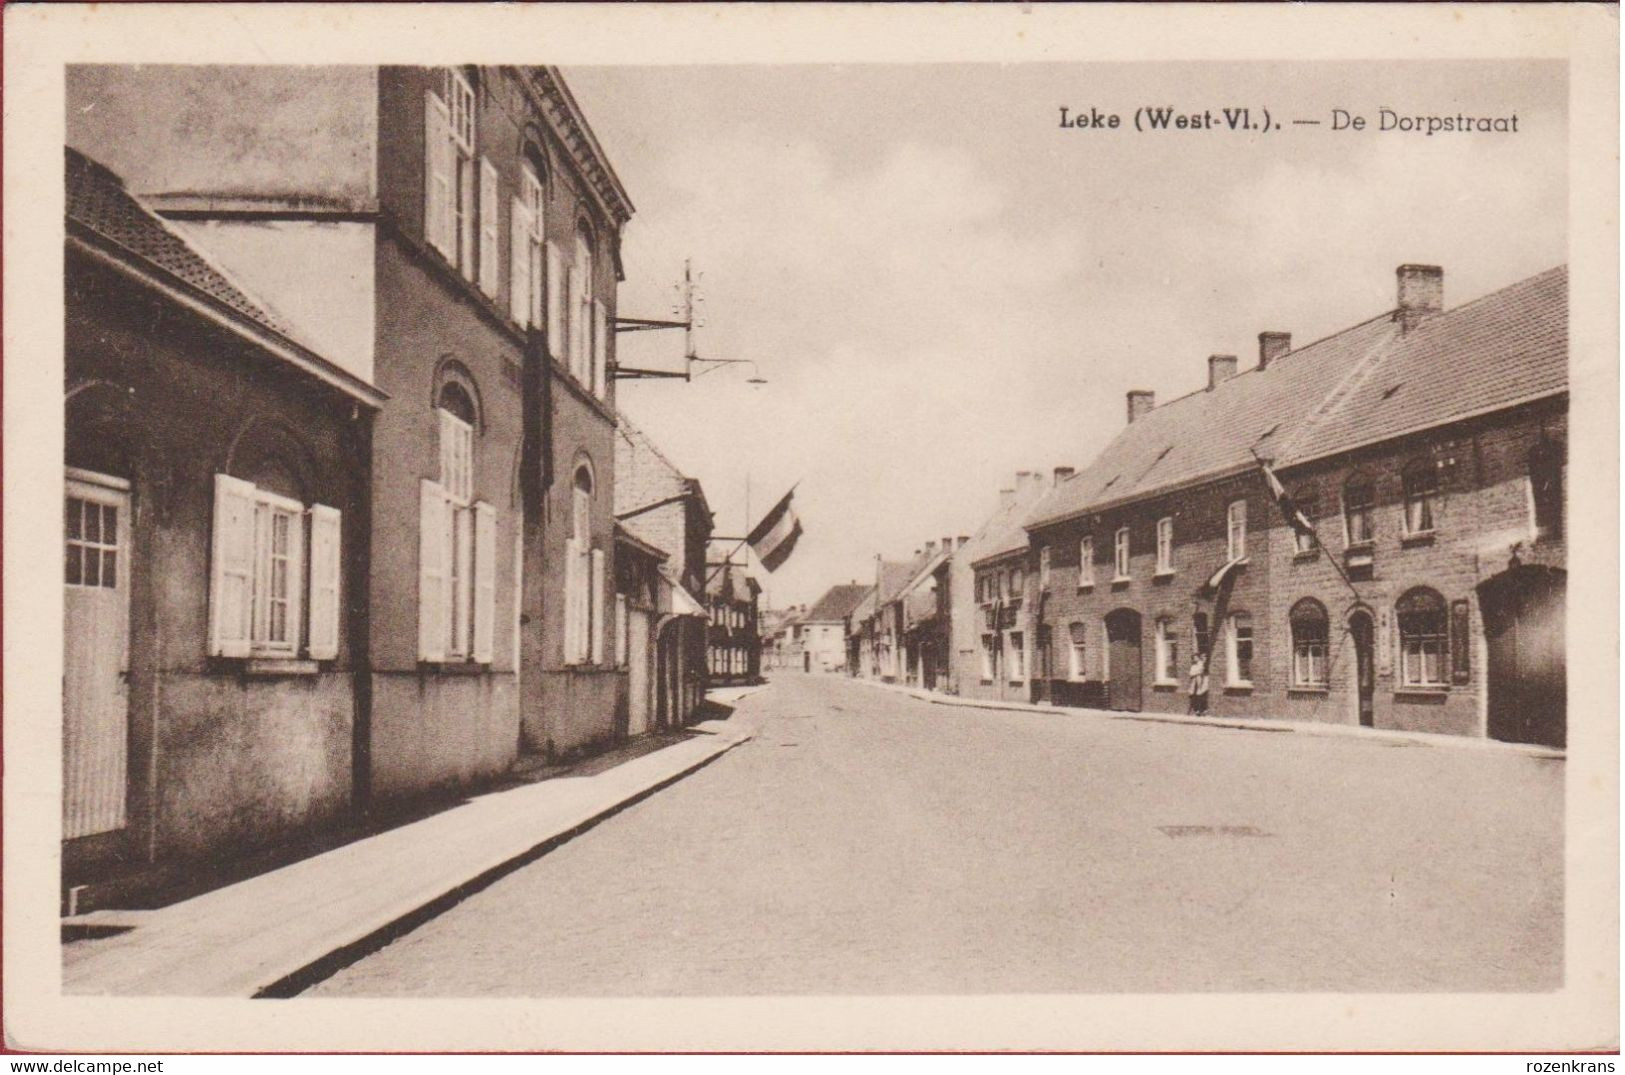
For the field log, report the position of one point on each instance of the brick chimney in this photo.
(1006, 497)
(930, 549)
(1220, 368)
(1421, 294)
(962, 539)
(1271, 346)
(1140, 402)
(1063, 473)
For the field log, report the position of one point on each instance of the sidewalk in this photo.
(1254, 724)
(277, 933)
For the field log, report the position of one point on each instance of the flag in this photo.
(1289, 511)
(776, 535)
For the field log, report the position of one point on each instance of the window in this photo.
(92, 544)
(1359, 500)
(1546, 489)
(1079, 669)
(581, 311)
(1016, 656)
(1165, 546)
(1305, 540)
(1018, 582)
(1421, 496)
(1121, 549)
(1086, 562)
(530, 269)
(1422, 636)
(451, 174)
(1043, 655)
(1240, 640)
(258, 585)
(584, 579)
(1167, 638)
(1236, 530)
(457, 556)
(1309, 637)
(1043, 568)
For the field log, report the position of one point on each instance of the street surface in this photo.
(867, 842)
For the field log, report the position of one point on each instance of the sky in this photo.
(942, 286)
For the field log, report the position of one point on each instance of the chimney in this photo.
(947, 544)
(1220, 368)
(1271, 346)
(1006, 498)
(1421, 293)
(962, 539)
(1063, 473)
(1140, 401)
(930, 549)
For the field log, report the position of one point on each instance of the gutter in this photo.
(1161, 490)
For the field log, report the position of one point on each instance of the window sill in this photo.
(1304, 556)
(1316, 691)
(1238, 688)
(1421, 693)
(1165, 574)
(1168, 685)
(268, 667)
(1409, 541)
(1086, 587)
(1121, 580)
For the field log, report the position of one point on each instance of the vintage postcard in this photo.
(826, 527)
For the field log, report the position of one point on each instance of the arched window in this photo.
(1080, 637)
(583, 577)
(581, 505)
(581, 308)
(1421, 496)
(1546, 488)
(1422, 638)
(1310, 632)
(1359, 503)
(1167, 639)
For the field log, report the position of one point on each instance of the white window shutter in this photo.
(231, 586)
(621, 626)
(596, 604)
(467, 190)
(572, 321)
(572, 601)
(324, 582)
(490, 218)
(438, 161)
(600, 347)
(519, 263)
(485, 580)
(555, 303)
(432, 572)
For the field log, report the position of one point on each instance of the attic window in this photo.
(1388, 393)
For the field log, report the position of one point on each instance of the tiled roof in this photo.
(644, 476)
(893, 577)
(98, 202)
(837, 603)
(732, 582)
(1507, 347)
(1002, 532)
(1210, 432)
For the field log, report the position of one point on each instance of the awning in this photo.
(683, 603)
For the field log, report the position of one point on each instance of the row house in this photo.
(449, 238)
(1425, 448)
(876, 649)
(666, 522)
(735, 642)
(818, 643)
(988, 590)
(925, 607)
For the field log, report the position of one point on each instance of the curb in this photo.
(1327, 731)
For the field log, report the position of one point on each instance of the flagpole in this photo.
(1336, 564)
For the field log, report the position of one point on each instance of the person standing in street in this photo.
(1198, 685)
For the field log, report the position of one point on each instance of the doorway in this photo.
(1523, 610)
(96, 654)
(1123, 660)
(1364, 633)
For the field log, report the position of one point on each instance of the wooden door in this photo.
(1526, 676)
(96, 634)
(1123, 660)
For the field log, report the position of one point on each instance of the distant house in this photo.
(215, 547)
(879, 620)
(818, 641)
(734, 641)
(1427, 448)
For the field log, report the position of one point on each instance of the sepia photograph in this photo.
(590, 526)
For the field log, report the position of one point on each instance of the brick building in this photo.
(818, 640)
(450, 237)
(216, 502)
(1427, 448)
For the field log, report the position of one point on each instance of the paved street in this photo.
(866, 842)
